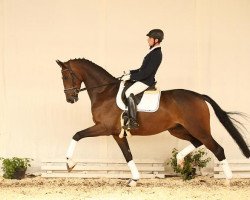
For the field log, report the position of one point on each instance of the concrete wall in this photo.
(206, 49)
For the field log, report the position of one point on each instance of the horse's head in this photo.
(71, 82)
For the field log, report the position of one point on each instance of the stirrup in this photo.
(125, 116)
(132, 124)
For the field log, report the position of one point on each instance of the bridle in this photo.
(73, 80)
(76, 90)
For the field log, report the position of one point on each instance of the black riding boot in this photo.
(132, 111)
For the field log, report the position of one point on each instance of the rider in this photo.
(143, 77)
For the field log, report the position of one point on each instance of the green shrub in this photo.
(191, 162)
(15, 168)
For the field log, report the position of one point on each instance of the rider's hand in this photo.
(125, 77)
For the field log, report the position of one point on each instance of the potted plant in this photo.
(191, 162)
(15, 168)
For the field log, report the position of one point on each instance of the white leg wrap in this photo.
(134, 170)
(181, 155)
(226, 169)
(71, 149)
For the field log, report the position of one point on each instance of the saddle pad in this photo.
(149, 103)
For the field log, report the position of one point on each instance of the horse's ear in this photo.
(60, 63)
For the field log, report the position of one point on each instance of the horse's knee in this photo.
(219, 153)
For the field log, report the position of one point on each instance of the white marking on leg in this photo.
(70, 163)
(134, 170)
(71, 149)
(181, 155)
(226, 169)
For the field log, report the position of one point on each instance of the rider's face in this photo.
(150, 41)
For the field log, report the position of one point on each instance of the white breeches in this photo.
(136, 88)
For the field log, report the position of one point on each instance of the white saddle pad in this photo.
(149, 103)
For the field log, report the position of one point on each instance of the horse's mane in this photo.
(92, 65)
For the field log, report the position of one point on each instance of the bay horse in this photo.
(183, 113)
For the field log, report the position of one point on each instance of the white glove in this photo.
(125, 77)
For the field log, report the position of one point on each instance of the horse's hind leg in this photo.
(218, 151)
(181, 133)
(205, 137)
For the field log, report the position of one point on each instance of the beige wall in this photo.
(206, 49)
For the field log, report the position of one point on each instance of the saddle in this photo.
(138, 97)
(147, 101)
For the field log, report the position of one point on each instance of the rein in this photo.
(89, 88)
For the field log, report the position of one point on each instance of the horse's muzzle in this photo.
(72, 99)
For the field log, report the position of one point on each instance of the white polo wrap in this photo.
(71, 149)
(134, 170)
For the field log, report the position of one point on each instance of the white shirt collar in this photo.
(157, 46)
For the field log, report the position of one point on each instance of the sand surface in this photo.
(173, 188)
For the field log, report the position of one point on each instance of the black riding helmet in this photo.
(156, 34)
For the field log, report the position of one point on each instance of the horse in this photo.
(183, 113)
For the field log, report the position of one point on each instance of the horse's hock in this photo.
(91, 168)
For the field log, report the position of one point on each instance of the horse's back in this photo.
(181, 94)
(186, 103)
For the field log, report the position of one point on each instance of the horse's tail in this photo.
(226, 121)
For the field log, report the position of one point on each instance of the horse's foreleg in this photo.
(93, 131)
(70, 163)
(123, 144)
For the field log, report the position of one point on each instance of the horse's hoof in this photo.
(70, 165)
(132, 183)
(227, 182)
(69, 169)
(180, 163)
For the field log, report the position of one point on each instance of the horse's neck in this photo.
(95, 76)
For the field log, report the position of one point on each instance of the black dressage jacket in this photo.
(146, 73)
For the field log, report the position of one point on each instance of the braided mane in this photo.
(92, 65)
